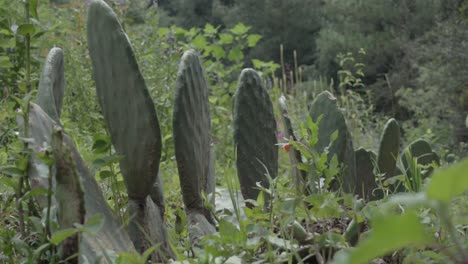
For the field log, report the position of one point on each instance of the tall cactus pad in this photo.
(254, 134)
(365, 161)
(332, 120)
(422, 150)
(69, 194)
(192, 139)
(192, 130)
(300, 176)
(111, 236)
(125, 101)
(52, 84)
(389, 148)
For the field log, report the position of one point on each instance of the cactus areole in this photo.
(125, 101)
(254, 134)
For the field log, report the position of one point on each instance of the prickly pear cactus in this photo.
(422, 151)
(192, 135)
(366, 188)
(300, 176)
(52, 84)
(389, 149)
(111, 236)
(325, 106)
(254, 134)
(132, 121)
(69, 194)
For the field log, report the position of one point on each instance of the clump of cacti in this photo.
(132, 122)
(192, 139)
(325, 111)
(254, 134)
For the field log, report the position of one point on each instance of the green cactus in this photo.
(422, 151)
(254, 134)
(111, 236)
(389, 149)
(132, 121)
(300, 176)
(332, 120)
(365, 160)
(69, 194)
(192, 136)
(52, 84)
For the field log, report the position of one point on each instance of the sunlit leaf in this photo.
(448, 182)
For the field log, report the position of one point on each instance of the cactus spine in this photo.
(132, 121)
(325, 106)
(192, 139)
(254, 134)
(389, 149)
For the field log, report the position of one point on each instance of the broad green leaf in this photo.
(253, 39)
(92, 225)
(162, 31)
(199, 42)
(389, 233)
(101, 144)
(11, 171)
(448, 182)
(225, 39)
(26, 29)
(33, 8)
(210, 30)
(218, 52)
(59, 236)
(236, 54)
(105, 174)
(5, 62)
(240, 29)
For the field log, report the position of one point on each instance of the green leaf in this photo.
(11, 171)
(101, 144)
(94, 224)
(105, 174)
(5, 62)
(253, 39)
(210, 30)
(59, 236)
(218, 52)
(225, 39)
(236, 54)
(199, 42)
(240, 29)
(389, 233)
(448, 182)
(26, 29)
(33, 8)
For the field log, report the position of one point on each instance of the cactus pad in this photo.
(365, 161)
(125, 101)
(389, 149)
(422, 150)
(254, 134)
(52, 84)
(111, 236)
(192, 138)
(332, 120)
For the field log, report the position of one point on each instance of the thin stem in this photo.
(49, 203)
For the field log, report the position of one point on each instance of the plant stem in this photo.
(445, 218)
(49, 204)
